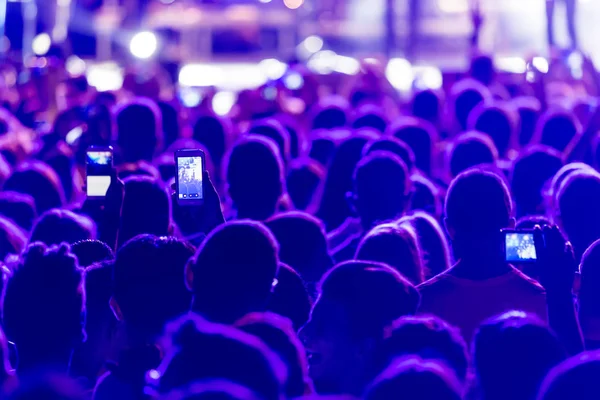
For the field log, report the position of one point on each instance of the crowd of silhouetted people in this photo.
(349, 244)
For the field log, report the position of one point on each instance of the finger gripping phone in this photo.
(519, 246)
(99, 166)
(189, 180)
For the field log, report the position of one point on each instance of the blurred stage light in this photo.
(346, 65)
(399, 73)
(541, 64)
(105, 77)
(75, 66)
(513, 65)
(293, 81)
(223, 102)
(167, 1)
(143, 45)
(293, 4)
(224, 76)
(41, 44)
(200, 75)
(313, 43)
(323, 62)
(453, 6)
(272, 68)
(428, 78)
(265, 1)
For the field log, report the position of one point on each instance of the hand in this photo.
(556, 261)
(194, 219)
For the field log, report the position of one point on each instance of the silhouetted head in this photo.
(149, 285)
(396, 246)
(277, 333)
(466, 95)
(589, 298)
(395, 146)
(233, 271)
(322, 148)
(416, 379)
(496, 121)
(334, 208)
(274, 130)
(357, 301)
(557, 129)
(43, 307)
(19, 208)
(39, 181)
(290, 297)
(531, 173)
(331, 113)
(558, 180)
(12, 238)
(529, 109)
(482, 69)
(472, 149)
(426, 195)
(370, 116)
(427, 105)
(170, 122)
(575, 378)
(381, 188)
(419, 136)
(59, 225)
(512, 354)
(211, 132)
(304, 183)
(196, 349)
(577, 212)
(90, 252)
(255, 177)
(146, 208)
(139, 130)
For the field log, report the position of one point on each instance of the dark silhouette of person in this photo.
(139, 130)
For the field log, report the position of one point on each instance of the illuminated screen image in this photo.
(520, 247)
(99, 158)
(189, 172)
(99, 168)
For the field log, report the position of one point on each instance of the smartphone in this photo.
(519, 246)
(99, 165)
(189, 178)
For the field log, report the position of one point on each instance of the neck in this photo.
(485, 260)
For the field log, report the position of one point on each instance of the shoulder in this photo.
(437, 283)
(527, 284)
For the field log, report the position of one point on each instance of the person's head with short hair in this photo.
(302, 243)
(139, 130)
(575, 378)
(290, 298)
(415, 379)
(382, 188)
(149, 285)
(426, 195)
(255, 177)
(39, 181)
(420, 136)
(588, 296)
(90, 252)
(482, 69)
(304, 183)
(60, 225)
(432, 241)
(334, 207)
(211, 132)
(395, 146)
(274, 130)
(395, 245)
(577, 212)
(322, 148)
(512, 353)
(12, 238)
(531, 172)
(18, 207)
(44, 307)
(427, 105)
(331, 113)
(478, 206)
(428, 337)
(495, 121)
(471, 149)
(529, 109)
(529, 222)
(466, 95)
(558, 129)
(170, 122)
(357, 301)
(277, 333)
(146, 208)
(370, 116)
(196, 349)
(233, 271)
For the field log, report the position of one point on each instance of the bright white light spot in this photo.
(313, 43)
(514, 65)
(453, 6)
(347, 65)
(541, 64)
(75, 66)
(105, 77)
(265, 1)
(167, 1)
(200, 75)
(575, 62)
(225, 76)
(293, 4)
(428, 78)
(400, 74)
(41, 44)
(293, 81)
(143, 45)
(190, 97)
(154, 374)
(223, 102)
(323, 62)
(272, 68)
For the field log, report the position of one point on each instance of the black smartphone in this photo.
(519, 246)
(99, 165)
(189, 178)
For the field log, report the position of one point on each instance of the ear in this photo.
(189, 277)
(114, 306)
(512, 223)
(449, 229)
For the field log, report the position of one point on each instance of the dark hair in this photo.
(139, 129)
(90, 252)
(426, 195)
(495, 121)
(512, 354)
(149, 284)
(197, 349)
(274, 130)
(467, 94)
(575, 378)
(322, 149)
(331, 113)
(557, 129)
(482, 69)
(304, 183)
(396, 246)
(211, 133)
(170, 122)
(395, 146)
(370, 116)
(471, 149)
(18, 207)
(59, 225)
(413, 378)
(419, 136)
(290, 297)
(589, 298)
(427, 105)
(278, 334)
(227, 284)
(255, 176)
(12, 238)
(529, 109)
(38, 180)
